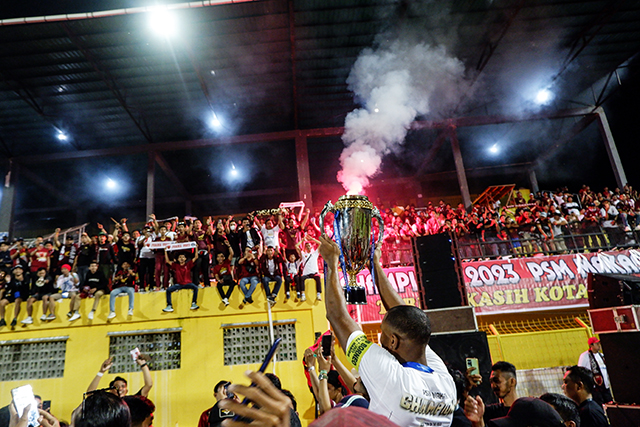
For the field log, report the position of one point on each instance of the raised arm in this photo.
(388, 295)
(166, 257)
(342, 323)
(310, 361)
(146, 374)
(303, 224)
(345, 373)
(313, 239)
(324, 366)
(280, 221)
(96, 380)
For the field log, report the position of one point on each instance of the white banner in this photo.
(172, 246)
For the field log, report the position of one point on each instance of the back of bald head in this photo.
(409, 322)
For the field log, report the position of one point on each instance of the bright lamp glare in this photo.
(215, 121)
(110, 184)
(62, 136)
(494, 149)
(163, 23)
(543, 96)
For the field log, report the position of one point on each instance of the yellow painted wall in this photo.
(532, 350)
(180, 395)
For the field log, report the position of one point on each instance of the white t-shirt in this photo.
(270, 236)
(293, 267)
(145, 252)
(68, 283)
(586, 363)
(310, 262)
(405, 395)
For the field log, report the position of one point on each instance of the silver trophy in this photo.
(352, 231)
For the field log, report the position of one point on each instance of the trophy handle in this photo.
(328, 207)
(376, 215)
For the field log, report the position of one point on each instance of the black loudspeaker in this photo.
(438, 272)
(623, 415)
(454, 350)
(612, 290)
(621, 352)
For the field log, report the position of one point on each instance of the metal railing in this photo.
(473, 246)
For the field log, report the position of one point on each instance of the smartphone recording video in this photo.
(23, 397)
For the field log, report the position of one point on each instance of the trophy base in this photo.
(356, 296)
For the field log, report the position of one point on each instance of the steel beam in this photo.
(304, 176)
(48, 186)
(460, 172)
(289, 135)
(431, 154)
(612, 150)
(151, 179)
(578, 127)
(294, 83)
(8, 204)
(533, 180)
(108, 80)
(162, 162)
(179, 145)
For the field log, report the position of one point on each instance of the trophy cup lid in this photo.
(353, 201)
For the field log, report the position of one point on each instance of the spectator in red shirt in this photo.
(271, 270)
(182, 270)
(124, 282)
(248, 272)
(41, 256)
(223, 273)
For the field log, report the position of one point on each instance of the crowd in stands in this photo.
(399, 382)
(548, 222)
(279, 247)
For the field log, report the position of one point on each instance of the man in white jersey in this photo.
(407, 382)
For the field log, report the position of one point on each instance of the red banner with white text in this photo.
(403, 280)
(540, 283)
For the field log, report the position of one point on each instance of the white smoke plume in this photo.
(395, 83)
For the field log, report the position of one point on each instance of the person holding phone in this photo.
(214, 416)
(407, 382)
(119, 385)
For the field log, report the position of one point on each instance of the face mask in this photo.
(233, 227)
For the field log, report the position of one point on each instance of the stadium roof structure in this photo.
(88, 94)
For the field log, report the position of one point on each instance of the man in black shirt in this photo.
(84, 255)
(126, 249)
(503, 383)
(96, 285)
(17, 290)
(578, 384)
(214, 416)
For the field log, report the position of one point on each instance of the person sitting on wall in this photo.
(68, 283)
(223, 273)
(248, 271)
(41, 289)
(182, 270)
(124, 282)
(16, 291)
(271, 269)
(95, 285)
